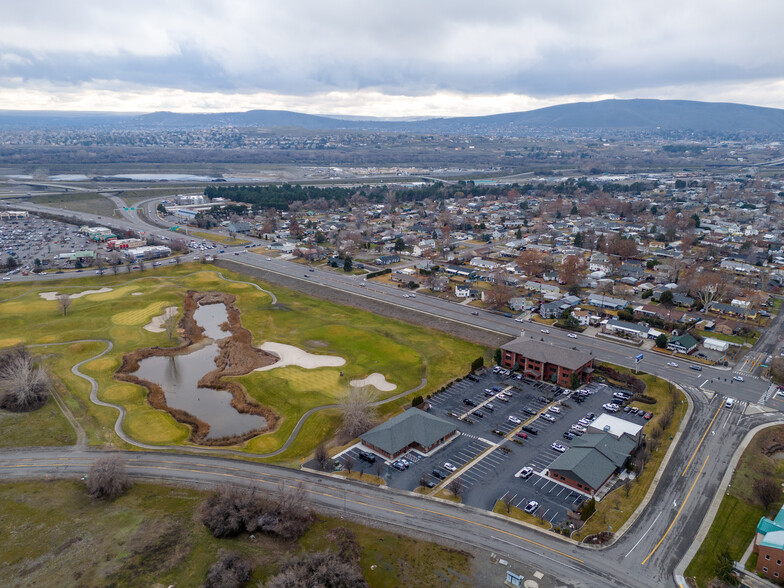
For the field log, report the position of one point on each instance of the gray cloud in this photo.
(410, 48)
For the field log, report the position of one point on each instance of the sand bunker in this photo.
(54, 295)
(156, 324)
(375, 379)
(290, 355)
(136, 293)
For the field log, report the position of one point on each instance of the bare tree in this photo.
(141, 264)
(115, 261)
(99, 263)
(455, 486)
(107, 478)
(378, 467)
(230, 571)
(767, 491)
(322, 568)
(24, 385)
(230, 510)
(64, 303)
(348, 463)
(357, 411)
(321, 455)
(507, 500)
(170, 323)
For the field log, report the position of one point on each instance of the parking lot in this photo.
(497, 397)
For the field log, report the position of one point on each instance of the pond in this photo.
(179, 377)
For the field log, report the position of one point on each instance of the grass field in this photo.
(404, 353)
(616, 508)
(736, 521)
(93, 203)
(520, 515)
(54, 535)
(48, 421)
(217, 238)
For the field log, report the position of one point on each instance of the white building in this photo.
(716, 344)
(616, 427)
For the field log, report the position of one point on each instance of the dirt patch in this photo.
(237, 357)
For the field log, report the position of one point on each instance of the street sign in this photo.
(638, 359)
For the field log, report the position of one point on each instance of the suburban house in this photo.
(732, 310)
(769, 545)
(601, 301)
(462, 290)
(682, 343)
(388, 259)
(627, 328)
(414, 429)
(592, 460)
(583, 317)
(542, 361)
(239, 227)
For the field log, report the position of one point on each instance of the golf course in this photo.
(319, 348)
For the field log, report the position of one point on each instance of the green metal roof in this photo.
(584, 465)
(617, 450)
(413, 425)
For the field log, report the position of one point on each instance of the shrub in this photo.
(107, 478)
(478, 363)
(230, 571)
(322, 568)
(417, 401)
(588, 509)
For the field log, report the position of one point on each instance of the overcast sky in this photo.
(401, 58)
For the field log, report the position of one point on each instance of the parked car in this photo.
(559, 447)
(522, 435)
(367, 456)
(489, 406)
(529, 410)
(513, 419)
(531, 430)
(578, 428)
(449, 466)
(438, 474)
(555, 409)
(526, 472)
(547, 417)
(469, 402)
(398, 466)
(648, 416)
(568, 435)
(531, 507)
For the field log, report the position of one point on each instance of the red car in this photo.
(648, 416)
(522, 435)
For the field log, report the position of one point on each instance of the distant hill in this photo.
(675, 115)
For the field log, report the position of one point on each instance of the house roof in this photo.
(412, 426)
(616, 449)
(545, 352)
(584, 465)
(774, 539)
(686, 341)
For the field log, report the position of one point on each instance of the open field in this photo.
(405, 354)
(55, 535)
(223, 239)
(48, 421)
(615, 509)
(90, 202)
(736, 520)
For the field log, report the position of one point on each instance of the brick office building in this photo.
(769, 544)
(543, 361)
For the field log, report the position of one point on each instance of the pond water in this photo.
(179, 376)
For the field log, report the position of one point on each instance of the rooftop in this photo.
(545, 352)
(411, 426)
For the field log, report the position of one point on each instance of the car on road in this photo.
(475, 313)
(737, 378)
(547, 417)
(729, 402)
(6, 278)
(449, 466)
(572, 336)
(269, 259)
(555, 409)
(526, 472)
(696, 368)
(531, 507)
(560, 448)
(310, 270)
(520, 319)
(546, 331)
(513, 419)
(672, 364)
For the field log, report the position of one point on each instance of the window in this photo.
(764, 569)
(778, 562)
(767, 556)
(776, 574)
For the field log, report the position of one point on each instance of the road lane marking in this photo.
(685, 500)
(643, 535)
(686, 469)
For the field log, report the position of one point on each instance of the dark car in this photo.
(543, 400)
(438, 474)
(696, 368)
(368, 457)
(530, 429)
(568, 435)
(529, 410)
(469, 402)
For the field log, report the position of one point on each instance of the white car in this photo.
(526, 472)
(514, 419)
(531, 507)
(672, 364)
(555, 409)
(520, 319)
(547, 331)
(548, 417)
(737, 378)
(572, 336)
(577, 427)
(449, 466)
(558, 447)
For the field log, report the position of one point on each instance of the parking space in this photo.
(554, 500)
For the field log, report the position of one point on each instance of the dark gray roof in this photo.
(616, 449)
(413, 425)
(545, 352)
(584, 465)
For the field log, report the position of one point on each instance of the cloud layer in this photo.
(353, 57)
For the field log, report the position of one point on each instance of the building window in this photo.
(764, 569)
(767, 556)
(776, 574)
(778, 562)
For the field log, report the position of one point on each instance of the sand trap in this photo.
(136, 293)
(54, 295)
(156, 324)
(290, 355)
(375, 379)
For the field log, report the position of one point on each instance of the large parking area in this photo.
(486, 410)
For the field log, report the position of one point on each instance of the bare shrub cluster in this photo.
(230, 571)
(107, 478)
(24, 386)
(321, 568)
(232, 510)
(358, 413)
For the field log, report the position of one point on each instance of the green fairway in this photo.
(152, 536)
(405, 354)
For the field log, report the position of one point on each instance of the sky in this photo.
(385, 59)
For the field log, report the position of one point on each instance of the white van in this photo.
(729, 402)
